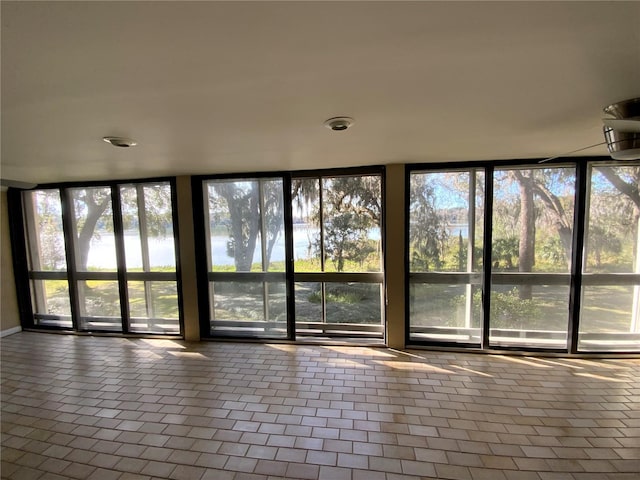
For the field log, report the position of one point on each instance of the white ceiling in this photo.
(209, 87)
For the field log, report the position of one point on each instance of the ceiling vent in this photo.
(622, 130)
(121, 142)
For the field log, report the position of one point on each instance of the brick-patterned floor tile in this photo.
(130, 409)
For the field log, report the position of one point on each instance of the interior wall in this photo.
(187, 259)
(394, 253)
(9, 313)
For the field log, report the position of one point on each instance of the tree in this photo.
(351, 208)
(50, 254)
(561, 219)
(527, 244)
(428, 234)
(627, 181)
(273, 215)
(93, 213)
(89, 205)
(240, 211)
(538, 184)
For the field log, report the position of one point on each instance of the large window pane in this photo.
(610, 314)
(249, 308)
(350, 309)
(148, 227)
(351, 224)
(309, 302)
(99, 305)
(51, 299)
(92, 219)
(246, 225)
(538, 320)
(45, 236)
(353, 302)
(612, 227)
(532, 241)
(306, 225)
(153, 306)
(443, 312)
(446, 227)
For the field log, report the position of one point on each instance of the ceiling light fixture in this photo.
(120, 141)
(338, 124)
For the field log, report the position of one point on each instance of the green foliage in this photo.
(508, 310)
(49, 228)
(351, 209)
(504, 250)
(427, 234)
(551, 255)
(336, 293)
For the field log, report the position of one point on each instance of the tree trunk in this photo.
(245, 223)
(94, 212)
(526, 250)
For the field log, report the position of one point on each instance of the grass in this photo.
(605, 308)
(309, 265)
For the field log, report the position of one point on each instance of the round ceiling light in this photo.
(120, 141)
(338, 124)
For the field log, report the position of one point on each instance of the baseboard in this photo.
(10, 331)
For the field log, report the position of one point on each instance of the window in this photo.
(610, 313)
(246, 257)
(337, 237)
(329, 285)
(96, 261)
(446, 224)
(47, 259)
(150, 258)
(532, 228)
(118, 242)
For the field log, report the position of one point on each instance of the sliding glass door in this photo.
(337, 237)
(446, 227)
(532, 237)
(292, 257)
(246, 267)
(539, 283)
(610, 314)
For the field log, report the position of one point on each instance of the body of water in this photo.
(162, 252)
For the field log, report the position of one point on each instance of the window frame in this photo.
(23, 273)
(202, 245)
(575, 278)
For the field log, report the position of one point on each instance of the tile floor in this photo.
(114, 408)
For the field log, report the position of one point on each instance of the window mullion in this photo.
(486, 255)
(289, 264)
(68, 216)
(583, 186)
(118, 231)
(322, 253)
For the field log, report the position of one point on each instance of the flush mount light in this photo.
(120, 141)
(338, 124)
